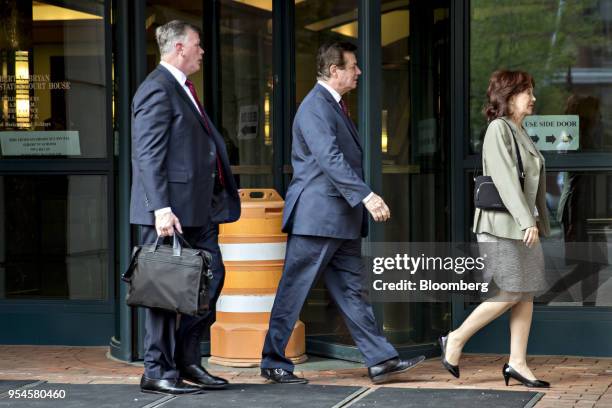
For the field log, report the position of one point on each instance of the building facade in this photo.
(70, 67)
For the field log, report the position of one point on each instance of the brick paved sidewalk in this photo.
(576, 382)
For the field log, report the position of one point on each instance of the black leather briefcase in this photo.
(169, 277)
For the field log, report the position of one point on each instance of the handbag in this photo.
(486, 195)
(169, 277)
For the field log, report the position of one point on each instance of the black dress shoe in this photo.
(387, 369)
(509, 372)
(172, 387)
(281, 376)
(453, 369)
(198, 375)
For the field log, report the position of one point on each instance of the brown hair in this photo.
(502, 86)
(332, 54)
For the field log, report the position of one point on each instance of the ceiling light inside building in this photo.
(395, 25)
(48, 12)
(262, 4)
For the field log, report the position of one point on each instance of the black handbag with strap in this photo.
(486, 195)
(169, 277)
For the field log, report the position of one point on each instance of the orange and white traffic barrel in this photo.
(253, 250)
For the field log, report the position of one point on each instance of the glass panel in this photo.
(52, 79)
(578, 258)
(567, 47)
(415, 40)
(53, 237)
(317, 22)
(246, 89)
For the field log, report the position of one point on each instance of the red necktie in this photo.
(201, 108)
(345, 109)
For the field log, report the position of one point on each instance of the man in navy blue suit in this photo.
(181, 179)
(325, 216)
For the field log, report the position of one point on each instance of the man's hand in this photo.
(377, 208)
(165, 224)
(532, 236)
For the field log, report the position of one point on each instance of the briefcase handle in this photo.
(177, 248)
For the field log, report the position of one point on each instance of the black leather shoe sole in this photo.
(148, 391)
(167, 387)
(205, 386)
(381, 378)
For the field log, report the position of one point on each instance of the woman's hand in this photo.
(532, 236)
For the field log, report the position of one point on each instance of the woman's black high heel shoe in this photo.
(509, 372)
(453, 369)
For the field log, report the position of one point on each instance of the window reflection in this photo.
(578, 251)
(53, 237)
(246, 89)
(567, 46)
(52, 79)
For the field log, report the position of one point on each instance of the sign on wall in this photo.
(40, 143)
(554, 132)
(247, 123)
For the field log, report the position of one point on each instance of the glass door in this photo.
(415, 52)
(415, 144)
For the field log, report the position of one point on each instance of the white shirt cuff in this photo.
(365, 200)
(162, 211)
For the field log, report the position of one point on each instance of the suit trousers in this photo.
(340, 263)
(171, 341)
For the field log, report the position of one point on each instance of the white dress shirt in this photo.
(181, 78)
(338, 97)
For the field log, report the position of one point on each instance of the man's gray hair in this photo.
(172, 32)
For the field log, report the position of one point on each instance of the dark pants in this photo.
(340, 263)
(167, 346)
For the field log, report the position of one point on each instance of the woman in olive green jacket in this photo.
(509, 238)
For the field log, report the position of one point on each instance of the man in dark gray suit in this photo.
(181, 180)
(325, 217)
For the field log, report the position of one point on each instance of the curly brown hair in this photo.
(503, 85)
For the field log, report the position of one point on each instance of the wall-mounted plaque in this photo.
(40, 143)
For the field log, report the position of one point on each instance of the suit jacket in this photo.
(325, 194)
(174, 158)
(499, 161)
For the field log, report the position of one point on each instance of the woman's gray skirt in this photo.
(512, 266)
